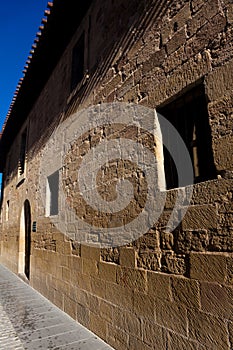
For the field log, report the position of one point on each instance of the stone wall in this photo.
(167, 290)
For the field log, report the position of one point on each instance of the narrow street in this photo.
(29, 321)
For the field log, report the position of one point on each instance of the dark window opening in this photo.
(77, 63)
(8, 167)
(189, 115)
(53, 189)
(22, 156)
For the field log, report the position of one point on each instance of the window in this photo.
(77, 63)
(52, 194)
(189, 115)
(8, 167)
(22, 156)
(7, 210)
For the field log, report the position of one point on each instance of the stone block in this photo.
(220, 82)
(229, 278)
(171, 198)
(149, 259)
(222, 152)
(93, 303)
(135, 343)
(125, 87)
(76, 263)
(178, 39)
(106, 310)
(66, 274)
(197, 4)
(217, 300)
(173, 263)
(58, 299)
(175, 59)
(130, 96)
(83, 297)
(220, 112)
(154, 335)
(172, 316)
(209, 30)
(210, 267)
(209, 9)
(159, 285)
(127, 322)
(167, 240)
(70, 307)
(117, 338)
(107, 271)
(177, 342)
(110, 255)
(187, 241)
(89, 267)
(230, 327)
(208, 330)
(127, 257)
(165, 217)
(200, 217)
(155, 60)
(230, 14)
(221, 241)
(144, 305)
(90, 252)
(177, 22)
(132, 278)
(183, 76)
(112, 84)
(98, 325)
(185, 291)
(119, 295)
(210, 192)
(63, 287)
(83, 315)
(98, 287)
(83, 281)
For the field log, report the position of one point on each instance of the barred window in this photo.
(189, 115)
(22, 156)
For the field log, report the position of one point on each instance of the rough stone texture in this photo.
(186, 292)
(172, 316)
(217, 300)
(177, 342)
(153, 335)
(200, 217)
(222, 153)
(231, 332)
(159, 285)
(219, 82)
(208, 267)
(208, 330)
(127, 257)
(170, 289)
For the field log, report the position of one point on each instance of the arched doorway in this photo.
(25, 240)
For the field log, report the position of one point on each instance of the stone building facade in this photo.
(166, 289)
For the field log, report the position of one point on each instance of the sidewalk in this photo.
(29, 321)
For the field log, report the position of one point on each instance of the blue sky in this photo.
(19, 24)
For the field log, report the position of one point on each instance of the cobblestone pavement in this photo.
(29, 321)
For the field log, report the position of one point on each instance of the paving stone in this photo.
(28, 321)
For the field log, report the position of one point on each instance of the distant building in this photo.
(168, 289)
